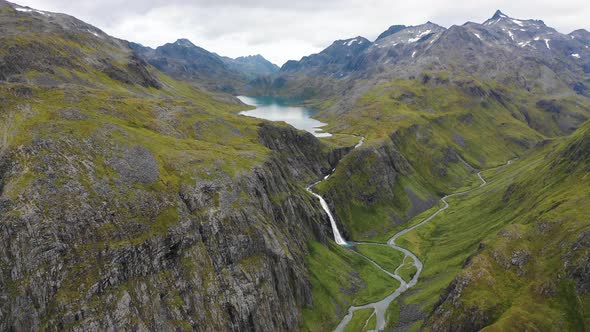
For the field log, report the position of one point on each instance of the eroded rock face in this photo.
(451, 314)
(135, 164)
(219, 254)
(519, 259)
(135, 72)
(578, 263)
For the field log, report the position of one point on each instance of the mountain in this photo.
(335, 59)
(42, 62)
(535, 59)
(185, 61)
(407, 51)
(390, 31)
(582, 36)
(529, 272)
(133, 201)
(252, 66)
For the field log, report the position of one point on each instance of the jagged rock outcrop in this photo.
(463, 319)
(578, 263)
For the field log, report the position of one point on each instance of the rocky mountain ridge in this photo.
(404, 52)
(186, 61)
(252, 65)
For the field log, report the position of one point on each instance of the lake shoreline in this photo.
(279, 109)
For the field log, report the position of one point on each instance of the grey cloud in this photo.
(282, 30)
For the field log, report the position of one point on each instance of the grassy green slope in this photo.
(81, 126)
(506, 245)
(74, 84)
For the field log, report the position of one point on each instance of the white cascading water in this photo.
(338, 238)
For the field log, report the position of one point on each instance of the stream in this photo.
(380, 307)
(338, 238)
(277, 109)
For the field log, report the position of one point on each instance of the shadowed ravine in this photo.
(381, 306)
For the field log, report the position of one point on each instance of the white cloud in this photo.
(282, 30)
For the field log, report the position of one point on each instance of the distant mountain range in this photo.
(186, 61)
(524, 54)
(409, 49)
(400, 51)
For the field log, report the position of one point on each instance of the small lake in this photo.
(280, 109)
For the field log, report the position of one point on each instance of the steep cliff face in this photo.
(366, 188)
(219, 254)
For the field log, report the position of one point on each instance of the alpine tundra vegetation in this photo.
(440, 180)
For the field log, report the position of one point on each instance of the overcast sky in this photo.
(289, 29)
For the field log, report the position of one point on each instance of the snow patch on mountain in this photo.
(493, 22)
(30, 10)
(93, 33)
(518, 22)
(420, 35)
(525, 44)
(352, 41)
(184, 43)
(510, 34)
